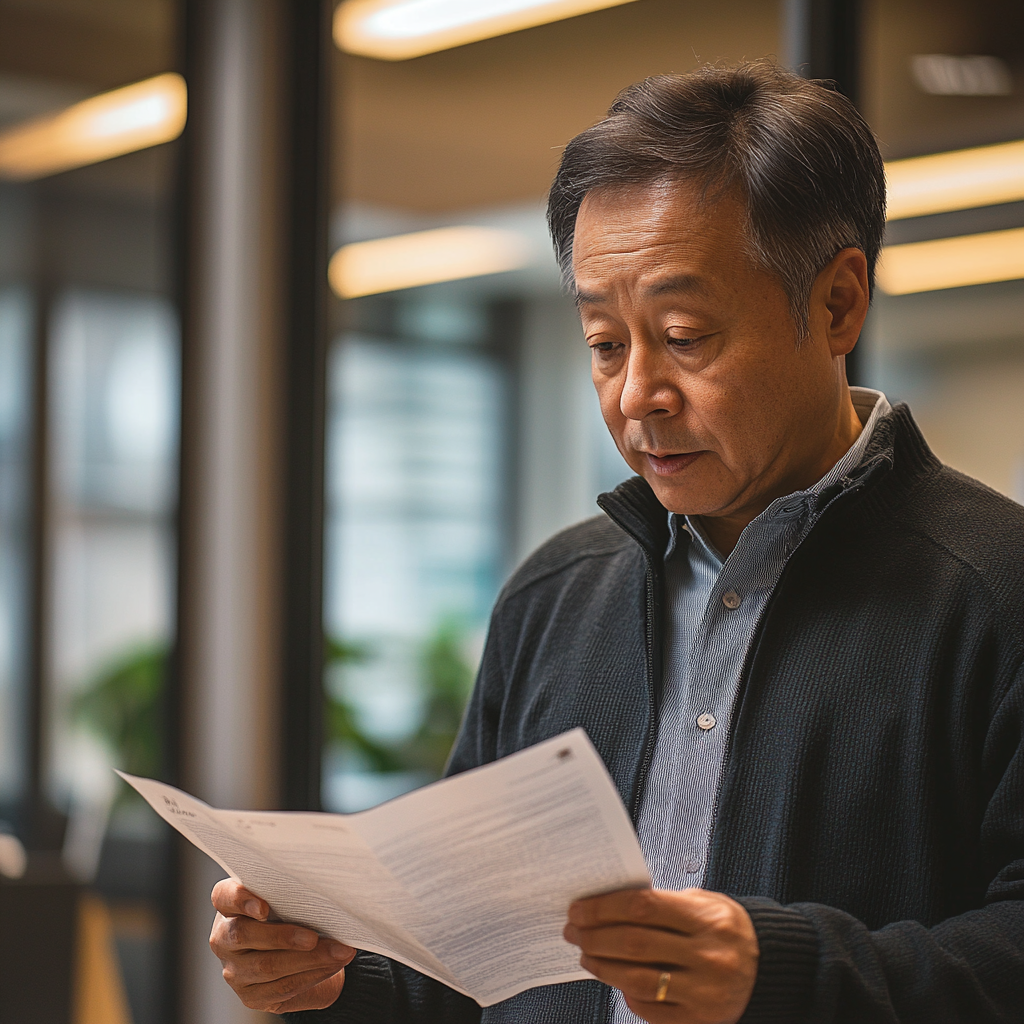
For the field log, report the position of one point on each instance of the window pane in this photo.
(113, 432)
(91, 244)
(956, 355)
(416, 475)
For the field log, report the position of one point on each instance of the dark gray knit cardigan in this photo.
(871, 810)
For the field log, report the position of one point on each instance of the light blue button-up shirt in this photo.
(713, 606)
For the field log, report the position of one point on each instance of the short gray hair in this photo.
(798, 151)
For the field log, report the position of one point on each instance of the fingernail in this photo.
(303, 938)
(253, 909)
(340, 951)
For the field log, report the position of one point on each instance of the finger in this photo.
(633, 943)
(633, 981)
(678, 911)
(258, 968)
(231, 898)
(232, 934)
(319, 997)
(265, 995)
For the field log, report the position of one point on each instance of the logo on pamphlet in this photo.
(173, 808)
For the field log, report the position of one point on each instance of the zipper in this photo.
(649, 740)
(652, 697)
(649, 637)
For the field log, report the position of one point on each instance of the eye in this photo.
(684, 341)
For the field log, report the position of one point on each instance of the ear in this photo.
(840, 298)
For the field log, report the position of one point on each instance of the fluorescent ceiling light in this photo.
(959, 180)
(952, 262)
(399, 29)
(111, 124)
(424, 257)
(943, 75)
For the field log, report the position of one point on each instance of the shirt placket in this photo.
(715, 664)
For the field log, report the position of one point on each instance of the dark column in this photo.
(248, 665)
(303, 638)
(42, 830)
(821, 39)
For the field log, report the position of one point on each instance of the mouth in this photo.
(666, 465)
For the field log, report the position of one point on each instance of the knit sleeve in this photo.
(380, 991)
(967, 970)
(820, 965)
(787, 965)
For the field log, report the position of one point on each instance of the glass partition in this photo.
(113, 437)
(88, 439)
(414, 530)
(113, 430)
(946, 78)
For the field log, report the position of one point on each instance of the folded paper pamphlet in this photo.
(467, 880)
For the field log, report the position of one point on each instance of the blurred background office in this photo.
(289, 384)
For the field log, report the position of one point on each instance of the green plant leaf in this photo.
(121, 705)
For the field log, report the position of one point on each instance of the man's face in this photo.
(695, 357)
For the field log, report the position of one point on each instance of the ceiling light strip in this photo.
(960, 180)
(424, 257)
(400, 29)
(952, 262)
(111, 124)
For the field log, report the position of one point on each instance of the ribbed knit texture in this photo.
(872, 798)
(788, 947)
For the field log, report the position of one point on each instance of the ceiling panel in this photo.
(483, 124)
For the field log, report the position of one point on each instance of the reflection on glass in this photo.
(414, 538)
(15, 389)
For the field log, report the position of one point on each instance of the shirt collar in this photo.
(870, 406)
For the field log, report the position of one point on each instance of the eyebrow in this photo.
(681, 284)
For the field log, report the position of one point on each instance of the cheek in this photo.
(740, 399)
(609, 394)
(745, 427)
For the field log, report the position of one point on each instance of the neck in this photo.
(724, 530)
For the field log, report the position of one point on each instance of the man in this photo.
(796, 638)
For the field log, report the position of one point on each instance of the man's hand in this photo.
(273, 967)
(699, 948)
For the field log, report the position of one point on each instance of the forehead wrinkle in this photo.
(676, 284)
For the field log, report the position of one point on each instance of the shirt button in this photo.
(706, 721)
(691, 865)
(731, 599)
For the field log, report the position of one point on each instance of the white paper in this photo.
(467, 880)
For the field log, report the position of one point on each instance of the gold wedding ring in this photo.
(664, 980)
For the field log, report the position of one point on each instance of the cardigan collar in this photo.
(897, 443)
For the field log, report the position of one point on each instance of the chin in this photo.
(693, 498)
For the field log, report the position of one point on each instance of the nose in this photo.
(649, 388)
